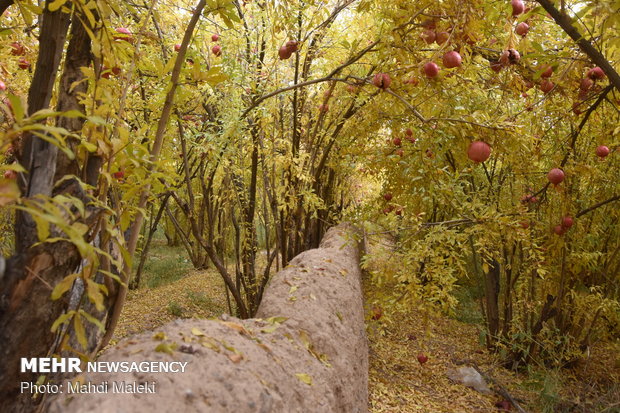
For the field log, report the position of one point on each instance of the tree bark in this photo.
(26, 311)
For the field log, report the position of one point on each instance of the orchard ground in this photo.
(398, 382)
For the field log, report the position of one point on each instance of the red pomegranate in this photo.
(602, 151)
(479, 151)
(555, 176)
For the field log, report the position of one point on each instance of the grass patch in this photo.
(175, 309)
(165, 264)
(468, 308)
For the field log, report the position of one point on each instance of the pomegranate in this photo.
(216, 50)
(23, 63)
(546, 86)
(452, 59)
(517, 7)
(382, 80)
(559, 229)
(215, 37)
(567, 222)
(284, 53)
(428, 36)
(479, 151)
(555, 176)
(547, 71)
(596, 73)
(431, 70)
(17, 49)
(522, 29)
(602, 151)
(387, 196)
(442, 37)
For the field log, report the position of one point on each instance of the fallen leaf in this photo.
(304, 378)
(197, 332)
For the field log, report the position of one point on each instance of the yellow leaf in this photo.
(80, 333)
(159, 336)
(236, 326)
(197, 332)
(63, 286)
(94, 294)
(61, 320)
(210, 344)
(56, 4)
(305, 378)
(166, 348)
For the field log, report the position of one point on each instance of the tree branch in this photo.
(600, 204)
(566, 23)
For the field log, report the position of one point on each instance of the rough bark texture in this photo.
(323, 336)
(26, 313)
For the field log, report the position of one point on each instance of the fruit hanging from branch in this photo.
(216, 50)
(567, 222)
(18, 49)
(509, 57)
(123, 33)
(602, 151)
(215, 37)
(442, 37)
(596, 73)
(586, 84)
(431, 70)
(382, 80)
(555, 176)
(452, 59)
(479, 151)
(517, 7)
(287, 50)
(547, 71)
(23, 63)
(429, 36)
(522, 29)
(546, 86)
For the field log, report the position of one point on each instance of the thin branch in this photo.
(595, 206)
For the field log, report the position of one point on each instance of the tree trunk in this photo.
(492, 296)
(26, 311)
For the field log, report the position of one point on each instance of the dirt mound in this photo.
(310, 355)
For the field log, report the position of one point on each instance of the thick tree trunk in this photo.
(26, 311)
